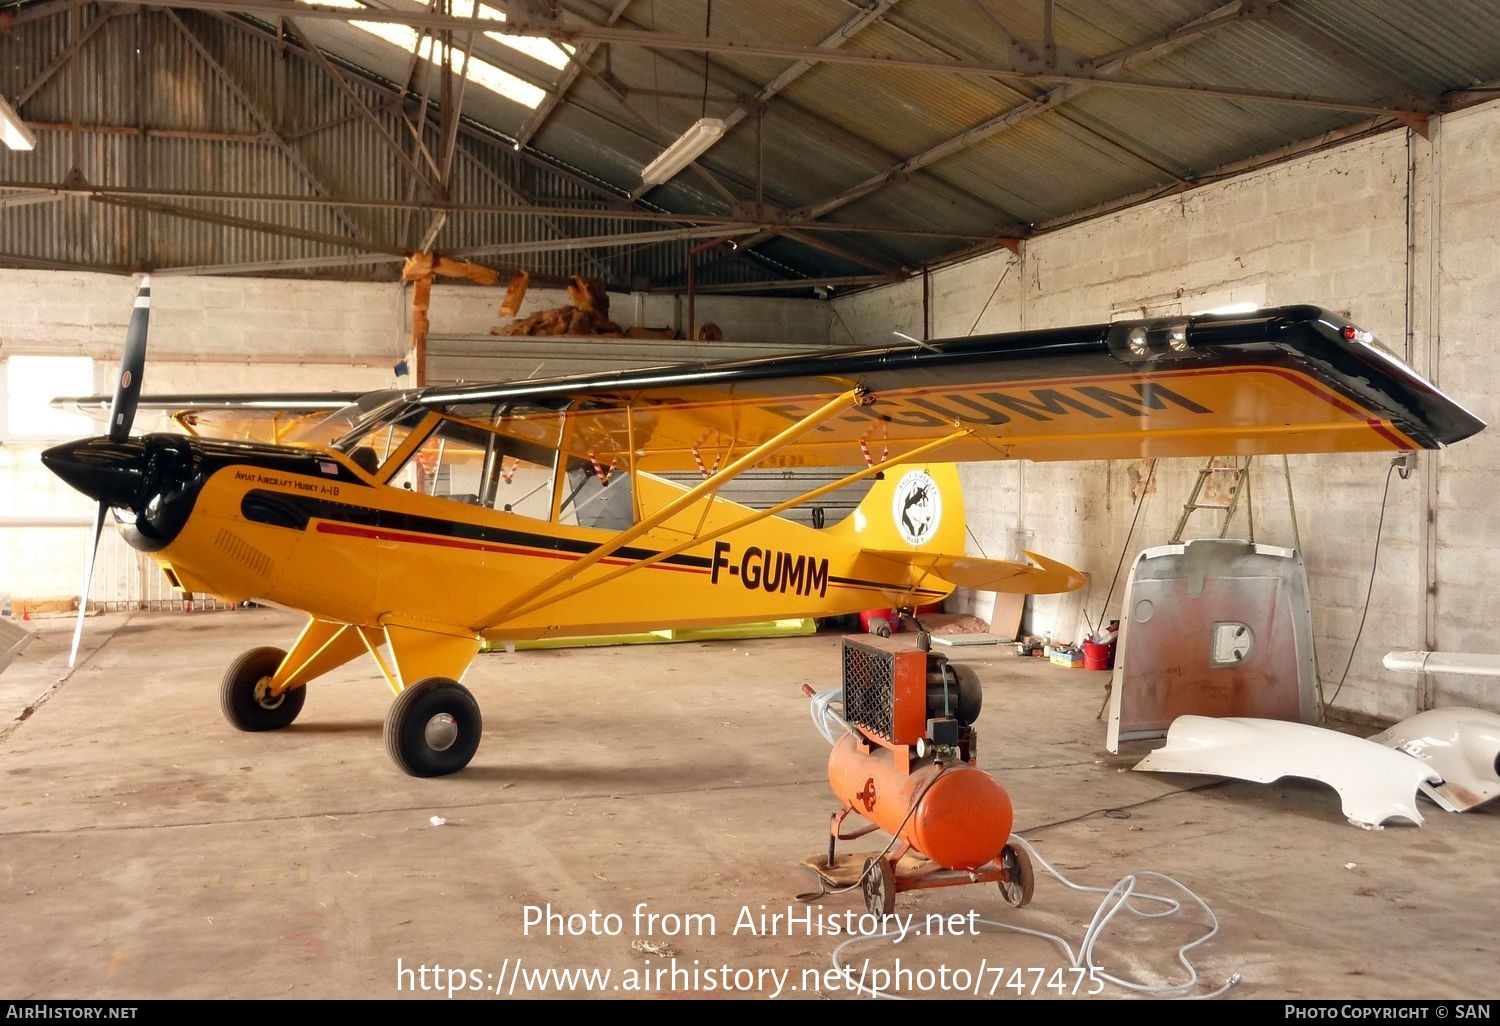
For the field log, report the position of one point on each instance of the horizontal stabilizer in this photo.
(1046, 577)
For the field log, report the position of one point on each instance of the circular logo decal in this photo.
(124, 379)
(917, 507)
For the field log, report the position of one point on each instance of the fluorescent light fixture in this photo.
(13, 131)
(687, 148)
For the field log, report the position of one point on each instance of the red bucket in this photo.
(1098, 656)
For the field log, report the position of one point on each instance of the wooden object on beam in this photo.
(515, 294)
(588, 294)
(420, 269)
(588, 314)
(426, 265)
(421, 298)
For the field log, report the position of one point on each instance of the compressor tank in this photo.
(961, 822)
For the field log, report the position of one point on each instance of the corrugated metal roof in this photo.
(831, 132)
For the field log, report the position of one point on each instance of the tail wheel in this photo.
(879, 886)
(245, 692)
(1020, 877)
(433, 728)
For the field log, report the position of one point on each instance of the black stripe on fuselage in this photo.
(279, 509)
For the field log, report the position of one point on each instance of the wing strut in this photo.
(857, 396)
(759, 515)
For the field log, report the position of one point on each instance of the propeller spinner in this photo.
(88, 465)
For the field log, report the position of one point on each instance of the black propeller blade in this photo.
(121, 418)
(132, 367)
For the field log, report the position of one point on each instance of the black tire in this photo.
(242, 692)
(879, 887)
(433, 728)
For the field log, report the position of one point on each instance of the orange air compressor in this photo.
(907, 763)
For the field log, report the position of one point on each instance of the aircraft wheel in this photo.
(879, 887)
(433, 728)
(880, 628)
(244, 693)
(1020, 880)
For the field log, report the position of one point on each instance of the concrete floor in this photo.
(147, 850)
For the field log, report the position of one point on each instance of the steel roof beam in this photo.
(381, 130)
(580, 57)
(36, 12)
(245, 223)
(1026, 57)
(63, 58)
(788, 284)
(1325, 140)
(873, 261)
(506, 187)
(667, 41)
(1328, 47)
(267, 125)
(535, 210)
(1119, 60)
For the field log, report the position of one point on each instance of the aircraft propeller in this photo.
(121, 418)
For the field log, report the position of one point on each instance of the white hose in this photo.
(1122, 896)
(828, 721)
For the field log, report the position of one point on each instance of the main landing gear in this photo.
(432, 729)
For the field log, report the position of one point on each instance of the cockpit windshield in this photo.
(371, 416)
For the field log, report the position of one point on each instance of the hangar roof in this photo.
(865, 139)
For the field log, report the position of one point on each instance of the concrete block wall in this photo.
(215, 335)
(1329, 229)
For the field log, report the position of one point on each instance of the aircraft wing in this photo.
(247, 417)
(1288, 380)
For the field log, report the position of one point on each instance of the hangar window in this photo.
(32, 382)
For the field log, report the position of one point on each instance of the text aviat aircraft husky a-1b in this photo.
(445, 516)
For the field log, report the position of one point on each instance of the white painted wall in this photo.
(247, 334)
(1332, 230)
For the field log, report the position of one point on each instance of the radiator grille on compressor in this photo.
(869, 688)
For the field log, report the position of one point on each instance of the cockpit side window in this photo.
(471, 462)
(447, 464)
(597, 496)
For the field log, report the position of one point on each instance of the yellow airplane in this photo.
(424, 522)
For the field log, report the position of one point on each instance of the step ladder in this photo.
(1223, 473)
